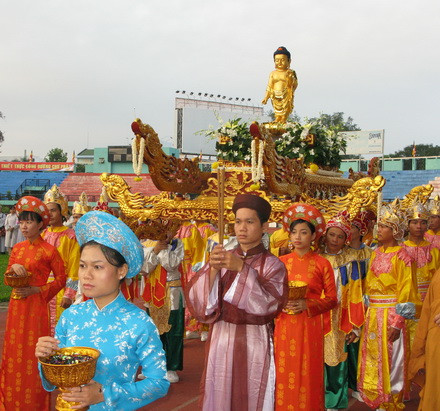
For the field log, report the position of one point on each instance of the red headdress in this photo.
(29, 203)
(302, 211)
(341, 221)
(361, 222)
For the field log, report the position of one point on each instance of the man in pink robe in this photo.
(239, 293)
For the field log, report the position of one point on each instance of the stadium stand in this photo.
(14, 184)
(436, 184)
(400, 183)
(91, 184)
(72, 185)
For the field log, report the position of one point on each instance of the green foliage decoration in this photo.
(234, 142)
(236, 139)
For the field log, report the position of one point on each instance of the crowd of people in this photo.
(302, 319)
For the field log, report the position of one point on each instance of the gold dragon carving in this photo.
(150, 216)
(288, 176)
(361, 195)
(168, 173)
(282, 175)
(285, 181)
(421, 193)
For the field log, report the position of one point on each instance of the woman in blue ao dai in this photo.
(123, 333)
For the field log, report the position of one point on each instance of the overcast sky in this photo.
(76, 73)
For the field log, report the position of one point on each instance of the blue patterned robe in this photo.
(126, 338)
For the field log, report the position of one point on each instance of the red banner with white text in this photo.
(24, 166)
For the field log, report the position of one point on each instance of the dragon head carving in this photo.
(422, 193)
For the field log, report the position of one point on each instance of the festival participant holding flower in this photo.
(123, 333)
(299, 337)
(28, 318)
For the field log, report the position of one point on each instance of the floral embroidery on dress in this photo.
(127, 339)
(382, 263)
(404, 256)
(421, 255)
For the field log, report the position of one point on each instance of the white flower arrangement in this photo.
(314, 143)
(257, 162)
(137, 159)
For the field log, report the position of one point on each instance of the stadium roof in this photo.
(86, 152)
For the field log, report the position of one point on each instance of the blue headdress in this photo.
(107, 230)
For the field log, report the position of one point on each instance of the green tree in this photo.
(334, 121)
(422, 150)
(337, 122)
(56, 155)
(20, 159)
(293, 118)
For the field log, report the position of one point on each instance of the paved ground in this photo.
(183, 396)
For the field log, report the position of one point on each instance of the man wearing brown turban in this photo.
(239, 293)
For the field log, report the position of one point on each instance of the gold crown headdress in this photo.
(102, 204)
(54, 195)
(434, 206)
(391, 216)
(81, 206)
(417, 211)
(103, 198)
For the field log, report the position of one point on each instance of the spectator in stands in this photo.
(11, 227)
(2, 231)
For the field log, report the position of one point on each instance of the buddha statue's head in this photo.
(281, 58)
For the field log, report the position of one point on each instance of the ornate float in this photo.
(187, 193)
(281, 161)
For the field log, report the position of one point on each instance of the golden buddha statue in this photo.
(281, 86)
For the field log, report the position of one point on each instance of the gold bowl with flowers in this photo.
(297, 291)
(66, 376)
(16, 281)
